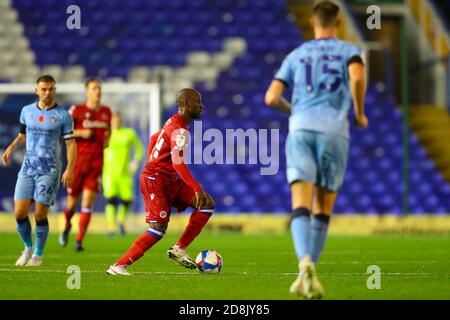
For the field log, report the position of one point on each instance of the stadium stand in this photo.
(230, 51)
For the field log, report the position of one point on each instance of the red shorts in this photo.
(162, 192)
(87, 175)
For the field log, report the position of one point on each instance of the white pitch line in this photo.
(241, 273)
(381, 262)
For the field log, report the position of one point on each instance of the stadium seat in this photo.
(235, 47)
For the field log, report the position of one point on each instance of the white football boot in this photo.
(307, 284)
(35, 261)
(296, 287)
(24, 257)
(180, 255)
(118, 270)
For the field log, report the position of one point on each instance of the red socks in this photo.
(196, 223)
(149, 238)
(140, 246)
(85, 217)
(68, 214)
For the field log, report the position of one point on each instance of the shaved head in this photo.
(186, 94)
(189, 102)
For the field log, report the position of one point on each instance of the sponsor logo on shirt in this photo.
(94, 124)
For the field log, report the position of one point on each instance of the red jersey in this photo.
(166, 151)
(98, 120)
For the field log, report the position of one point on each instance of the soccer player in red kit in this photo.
(92, 130)
(167, 182)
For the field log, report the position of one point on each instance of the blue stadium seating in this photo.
(117, 35)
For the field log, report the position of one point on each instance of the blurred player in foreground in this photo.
(91, 129)
(325, 75)
(118, 172)
(43, 126)
(161, 188)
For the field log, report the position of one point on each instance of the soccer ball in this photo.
(209, 261)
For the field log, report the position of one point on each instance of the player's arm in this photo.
(108, 131)
(83, 133)
(21, 137)
(357, 76)
(71, 151)
(152, 143)
(179, 140)
(283, 78)
(274, 97)
(79, 133)
(67, 178)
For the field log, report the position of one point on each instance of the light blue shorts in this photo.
(317, 158)
(41, 188)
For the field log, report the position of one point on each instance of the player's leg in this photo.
(110, 193)
(69, 211)
(322, 209)
(125, 195)
(41, 233)
(122, 212)
(91, 186)
(185, 197)
(44, 195)
(302, 199)
(73, 195)
(302, 176)
(332, 155)
(22, 208)
(148, 239)
(23, 196)
(87, 201)
(157, 210)
(110, 214)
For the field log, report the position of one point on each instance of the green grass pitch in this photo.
(255, 267)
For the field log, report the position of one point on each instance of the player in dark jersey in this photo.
(167, 182)
(92, 130)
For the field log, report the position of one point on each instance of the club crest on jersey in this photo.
(163, 214)
(53, 119)
(88, 115)
(180, 140)
(104, 116)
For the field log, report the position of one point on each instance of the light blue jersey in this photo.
(321, 97)
(45, 131)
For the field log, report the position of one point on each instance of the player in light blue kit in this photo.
(326, 74)
(43, 126)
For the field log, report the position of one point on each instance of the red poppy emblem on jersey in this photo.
(41, 119)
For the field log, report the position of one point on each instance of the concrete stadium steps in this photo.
(432, 126)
